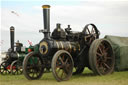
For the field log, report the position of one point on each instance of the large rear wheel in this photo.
(32, 66)
(62, 65)
(101, 57)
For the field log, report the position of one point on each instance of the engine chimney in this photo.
(12, 38)
(46, 17)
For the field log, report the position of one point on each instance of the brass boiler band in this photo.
(71, 47)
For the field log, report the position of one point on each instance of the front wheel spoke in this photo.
(61, 60)
(67, 68)
(65, 73)
(66, 60)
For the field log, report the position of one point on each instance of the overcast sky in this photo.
(110, 17)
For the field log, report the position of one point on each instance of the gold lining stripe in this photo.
(62, 45)
(57, 44)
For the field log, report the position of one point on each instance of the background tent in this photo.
(120, 47)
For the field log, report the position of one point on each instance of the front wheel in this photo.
(16, 67)
(62, 65)
(4, 68)
(32, 66)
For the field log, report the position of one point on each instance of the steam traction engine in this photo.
(14, 57)
(65, 50)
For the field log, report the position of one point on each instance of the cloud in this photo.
(26, 27)
(63, 0)
(110, 18)
(22, 22)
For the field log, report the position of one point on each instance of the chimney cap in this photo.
(12, 28)
(45, 6)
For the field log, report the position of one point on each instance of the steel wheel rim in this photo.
(63, 66)
(16, 68)
(32, 66)
(96, 58)
(32, 69)
(104, 61)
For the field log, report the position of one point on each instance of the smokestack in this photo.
(46, 17)
(12, 37)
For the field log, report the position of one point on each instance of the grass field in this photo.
(86, 78)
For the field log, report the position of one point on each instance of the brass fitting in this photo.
(45, 6)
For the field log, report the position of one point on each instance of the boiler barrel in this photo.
(49, 47)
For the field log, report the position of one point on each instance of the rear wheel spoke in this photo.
(106, 65)
(102, 57)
